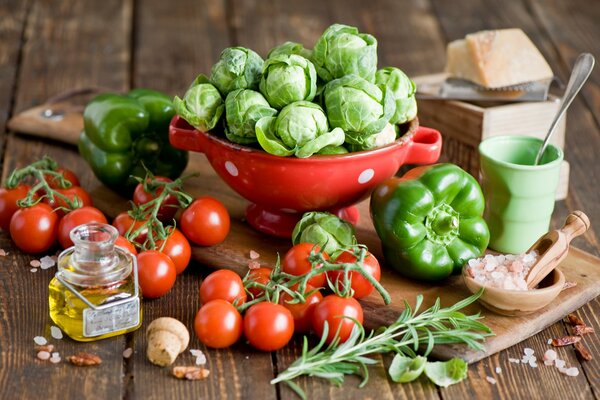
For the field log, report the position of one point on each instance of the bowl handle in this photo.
(185, 137)
(425, 147)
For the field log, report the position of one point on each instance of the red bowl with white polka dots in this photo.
(281, 189)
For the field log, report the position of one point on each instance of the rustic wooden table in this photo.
(47, 47)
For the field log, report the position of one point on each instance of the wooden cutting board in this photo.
(234, 253)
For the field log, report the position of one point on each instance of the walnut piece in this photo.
(190, 373)
(84, 359)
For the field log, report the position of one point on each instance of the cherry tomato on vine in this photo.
(123, 222)
(156, 273)
(33, 229)
(295, 262)
(332, 309)
(360, 285)
(67, 174)
(268, 326)
(126, 244)
(218, 324)
(169, 205)
(8, 203)
(223, 284)
(178, 249)
(75, 218)
(260, 275)
(71, 193)
(302, 312)
(205, 222)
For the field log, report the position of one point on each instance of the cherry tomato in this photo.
(302, 312)
(126, 244)
(360, 285)
(223, 284)
(123, 222)
(295, 262)
(33, 229)
(218, 324)
(8, 203)
(67, 174)
(75, 218)
(332, 309)
(205, 222)
(268, 326)
(169, 206)
(71, 193)
(260, 275)
(178, 249)
(156, 273)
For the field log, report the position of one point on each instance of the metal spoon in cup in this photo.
(581, 71)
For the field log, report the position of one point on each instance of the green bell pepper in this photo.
(430, 221)
(123, 135)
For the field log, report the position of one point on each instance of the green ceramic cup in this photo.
(519, 196)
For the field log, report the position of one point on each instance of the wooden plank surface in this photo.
(163, 45)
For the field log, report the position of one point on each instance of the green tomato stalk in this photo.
(38, 172)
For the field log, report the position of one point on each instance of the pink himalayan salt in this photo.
(505, 271)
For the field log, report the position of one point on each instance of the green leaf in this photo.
(446, 373)
(405, 369)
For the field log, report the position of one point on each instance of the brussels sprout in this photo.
(300, 128)
(333, 150)
(357, 142)
(289, 48)
(328, 231)
(237, 68)
(288, 78)
(359, 107)
(243, 107)
(202, 105)
(342, 50)
(403, 89)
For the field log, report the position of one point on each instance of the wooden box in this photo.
(464, 125)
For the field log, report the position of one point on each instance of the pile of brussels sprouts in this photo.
(329, 100)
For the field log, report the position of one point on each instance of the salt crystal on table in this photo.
(40, 340)
(195, 352)
(573, 371)
(56, 333)
(35, 263)
(514, 360)
(33, 270)
(528, 351)
(559, 363)
(550, 355)
(490, 380)
(201, 359)
(128, 352)
(498, 370)
(43, 355)
(47, 262)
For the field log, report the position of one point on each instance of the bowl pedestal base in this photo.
(281, 223)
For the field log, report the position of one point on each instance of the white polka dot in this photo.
(231, 168)
(366, 176)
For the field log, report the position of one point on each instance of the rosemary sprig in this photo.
(410, 331)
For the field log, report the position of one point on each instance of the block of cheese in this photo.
(497, 58)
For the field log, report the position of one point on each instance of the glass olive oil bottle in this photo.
(95, 293)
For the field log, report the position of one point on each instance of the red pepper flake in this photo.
(575, 320)
(253, 264)
(583, 352)
(565, 341)
(581, 330)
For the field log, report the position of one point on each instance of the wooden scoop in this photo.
(553, 247)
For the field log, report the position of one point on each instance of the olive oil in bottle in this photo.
(95, 293)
